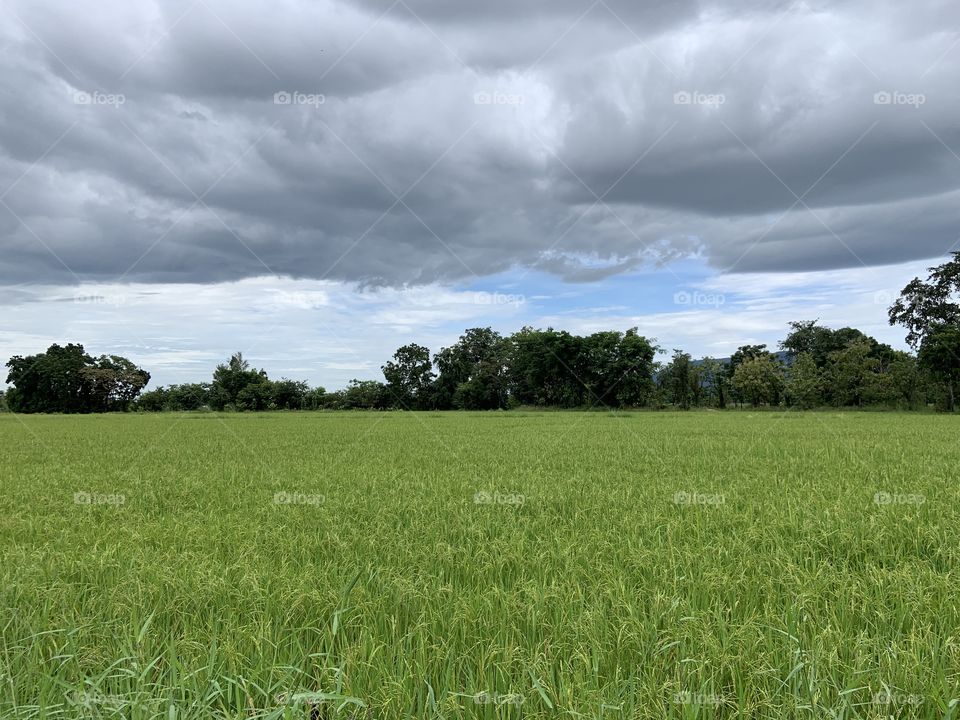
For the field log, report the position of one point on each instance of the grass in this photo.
(498, 565)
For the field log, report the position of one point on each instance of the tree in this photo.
(255, 396)
(473, 372)
(633, 370)
(677, 380)
(315, 398)
(289, 394)
(807, 337)
(851, 374)
(715, 379)
(365, 395)
(805, 385)
(114, 382)
(66, 379)
(544, 368)
(930, 311)
(231, 378)
(409, 377)
(940, 354)
(759, 379)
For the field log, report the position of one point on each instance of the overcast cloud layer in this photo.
(425, 141)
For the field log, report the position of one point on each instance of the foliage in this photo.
(759, 379)
(930, 311)
(66, 379)
(804, 386)
(409, 377)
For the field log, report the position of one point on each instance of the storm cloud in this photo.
(425, 141)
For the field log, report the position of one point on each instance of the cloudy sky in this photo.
(317, 182)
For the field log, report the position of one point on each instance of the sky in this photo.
(317, 183)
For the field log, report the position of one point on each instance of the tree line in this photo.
(814, 366)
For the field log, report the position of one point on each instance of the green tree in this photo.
(851, 374)
(544, 368)
(230, 378)
(930, 311)
(633, 370)
(759, 380)
(940, 354)
(409, 377)
(66, 379)
(804, 385)
(365, 395)
(315, 398)
(677, 379)
(289, 394)
(255, 396)
(716, 381)
(473, 372)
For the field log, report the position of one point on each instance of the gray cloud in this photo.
(424, 141)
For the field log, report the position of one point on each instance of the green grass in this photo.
(778, 589)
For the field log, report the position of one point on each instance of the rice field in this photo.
(480, 565)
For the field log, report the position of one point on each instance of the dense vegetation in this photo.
(815, 366)
(437, 566)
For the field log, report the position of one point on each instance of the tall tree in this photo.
(677, 379)
(852, 374)
(473, 372)
(759, 380)
(930, 311)
(409, 377)
(230, 378)
(805, 384)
